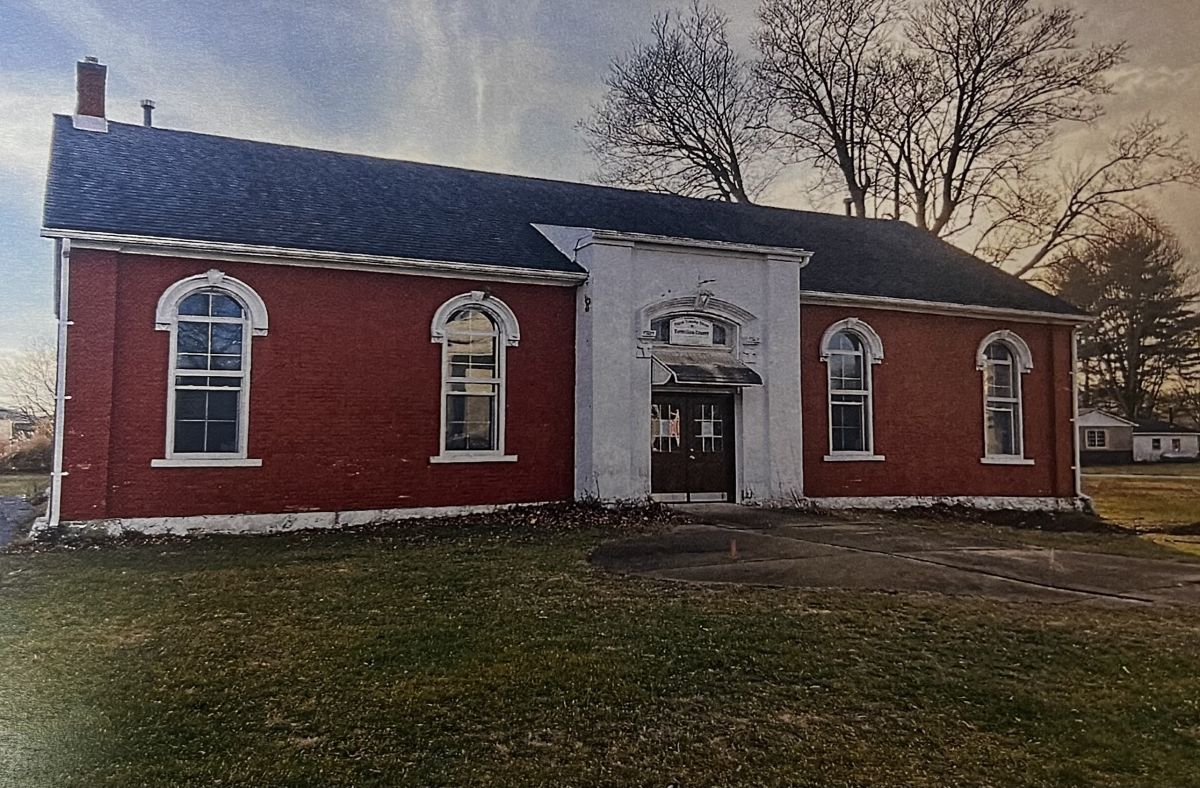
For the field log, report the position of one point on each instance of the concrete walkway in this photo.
(734, 544)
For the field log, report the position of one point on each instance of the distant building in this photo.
(1108, 439)
(1161, 441)
(15, 426)
(1104, 439)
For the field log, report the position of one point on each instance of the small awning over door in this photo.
(674, 365)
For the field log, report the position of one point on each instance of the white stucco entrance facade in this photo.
(651, 306)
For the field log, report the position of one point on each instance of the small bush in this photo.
(31, 456)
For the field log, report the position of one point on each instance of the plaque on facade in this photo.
(691, 331)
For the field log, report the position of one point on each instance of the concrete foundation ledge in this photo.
(987, 503)
(259, 523)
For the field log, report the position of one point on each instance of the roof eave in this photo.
(252, 253)
(942, 307)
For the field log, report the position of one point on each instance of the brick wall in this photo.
(929, 410)
(344, 398)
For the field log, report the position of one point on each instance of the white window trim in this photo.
(508, 335)
(1102, 443)
(872, 354)
(1022, 360)
(166, 318)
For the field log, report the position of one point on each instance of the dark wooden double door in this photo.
(691, 446)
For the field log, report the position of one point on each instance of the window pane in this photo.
(222, 405)
(192, 337)
(224, 306)
(998, 351)
(195, 304)
(848, 425)
(227, 338)
(844, 340)
(471, 321)
(222, 436)
(189, 436)
(470, 422)
(189, 405)
(846, 372)
(1001, 420)
(719, 335)
(999, 378)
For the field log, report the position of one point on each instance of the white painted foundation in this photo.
(267, 523)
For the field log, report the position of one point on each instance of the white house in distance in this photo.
(1160, 441)
(1104, 438)
(1108, 439)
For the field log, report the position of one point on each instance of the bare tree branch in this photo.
(30, 377)
(1091, 197)
(682, 114)
(819, 65)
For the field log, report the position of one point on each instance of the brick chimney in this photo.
(90, 76)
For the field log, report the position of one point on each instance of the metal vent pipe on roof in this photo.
(147, 113)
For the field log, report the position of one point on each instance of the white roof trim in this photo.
(801, 256)
(249, 253)
(939, 307)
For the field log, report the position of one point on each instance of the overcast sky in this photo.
(490, 84)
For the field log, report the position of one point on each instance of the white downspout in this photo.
(1075, 411)
(60, 384)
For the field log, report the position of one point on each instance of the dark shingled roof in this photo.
(158, 182)
(1154, 426)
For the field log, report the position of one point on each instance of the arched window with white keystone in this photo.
(1003, 357)
(475, 330)
(212, 319)
(850, 348)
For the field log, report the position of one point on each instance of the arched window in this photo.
(475, 330)
(211, 319)
(1003, 357)
(849, 349)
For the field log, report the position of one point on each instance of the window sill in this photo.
(854, 457)
(205, 462)
(469, 457)
(1006, 461)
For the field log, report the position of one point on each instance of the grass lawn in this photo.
(1145, 503)
(460, 657)
(26, 484)
(1146, 469)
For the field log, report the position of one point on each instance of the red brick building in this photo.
(258, 336)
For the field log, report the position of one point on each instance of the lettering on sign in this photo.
(691, 331)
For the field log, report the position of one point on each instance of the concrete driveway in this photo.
(732, 544)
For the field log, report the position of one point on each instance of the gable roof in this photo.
(1094, 417)
(141, 181)
(1155, 427)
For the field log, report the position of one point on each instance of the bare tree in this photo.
(682, 114)
(1009, 74)
(30, 377)
(1147, 329)
(1090, 199)
(820, 64)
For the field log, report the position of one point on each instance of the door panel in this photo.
(692, 447)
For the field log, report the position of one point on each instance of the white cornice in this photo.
(800, 256)
(938, 308)
(275, 255)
